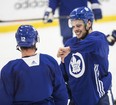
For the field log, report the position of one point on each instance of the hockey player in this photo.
(34, 79)
(64, 9)
(85, 62)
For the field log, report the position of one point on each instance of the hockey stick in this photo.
(19, 20)
(32, 19)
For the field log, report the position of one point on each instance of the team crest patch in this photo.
(77, 65)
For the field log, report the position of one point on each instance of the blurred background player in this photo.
(64, 9)
(34, 79)
(84, 62)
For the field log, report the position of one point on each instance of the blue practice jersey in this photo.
(35, 79)
(65, 7)
(87, 68)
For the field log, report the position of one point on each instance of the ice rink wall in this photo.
(33, 10)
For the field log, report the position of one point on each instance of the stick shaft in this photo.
(31, 19)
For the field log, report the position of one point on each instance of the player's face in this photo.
(79, 28)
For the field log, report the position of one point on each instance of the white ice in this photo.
(50, 41)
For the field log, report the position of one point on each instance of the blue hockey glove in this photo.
(114, 34)
(112, 38)
(96, 11)
(48, 16)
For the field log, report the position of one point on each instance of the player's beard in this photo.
(86, 33)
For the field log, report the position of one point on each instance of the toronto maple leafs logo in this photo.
(77, 65)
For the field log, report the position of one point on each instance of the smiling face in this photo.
(80, 28)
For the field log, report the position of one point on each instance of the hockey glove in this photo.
(112, 38)
(96, 11)
(48, 15)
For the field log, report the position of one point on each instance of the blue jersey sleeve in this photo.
(60, 92)
(6, 86)
(95, 42)
(107, 80)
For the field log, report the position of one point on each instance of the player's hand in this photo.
(97, 11)
(48, 15)
(63, 52)
(112, 38)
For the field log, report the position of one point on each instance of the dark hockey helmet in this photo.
(82, 13)
(26, 36)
